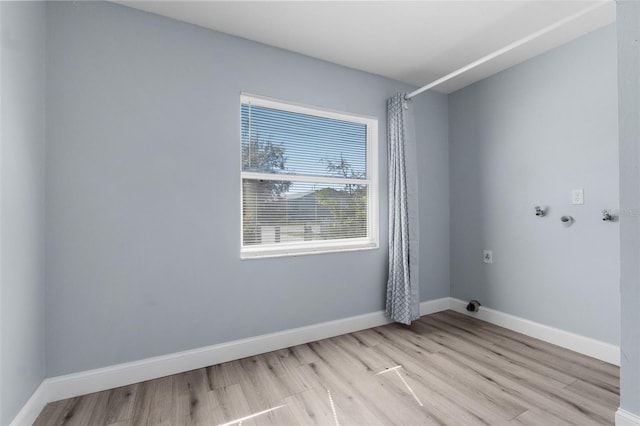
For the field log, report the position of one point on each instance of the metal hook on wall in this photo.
(608, 217)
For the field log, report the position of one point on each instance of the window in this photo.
(309, 180)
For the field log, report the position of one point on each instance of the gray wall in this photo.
(629, 106)
(527, 137)
(431, 118)
(143, 190)
(22, 114)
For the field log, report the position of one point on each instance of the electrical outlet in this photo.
(577, 196)
(488, 256)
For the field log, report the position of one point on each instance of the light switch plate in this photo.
(488, 256)
(577, 196)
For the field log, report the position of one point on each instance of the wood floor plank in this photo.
(324, 407)
(287, 357)
(366, 355)
(347, 397)
(343, 393)
(143, 401)
(351, 410)
(310, 408)
(99, 410)
(228, 404)
(368, 337)
(222, 375)
(120, 423)
(576, 357)
(598, 376)
(442, 407)
(447, 410)
(55, 412)
(357, 383)
(191, 398)
(81, 413)
(304, 354)
(552, 399)
(595, 394)
(537, 417)
(589, 369)
(264, 390)
(284, 372)
(161, 412)
(404, 338)
(121, 404)
(278, 417)
(47, 415)
(446, 368)
(517, 366)
(548, 366)
(480, 398)
(372, 388)
(336, 357)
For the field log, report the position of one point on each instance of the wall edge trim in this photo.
(99, 379)
(626, 418)
(585, 345)
(96, 380)
(32, 408)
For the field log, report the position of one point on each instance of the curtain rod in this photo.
(508, 48)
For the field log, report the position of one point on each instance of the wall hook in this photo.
(540, 212)
(608, 217)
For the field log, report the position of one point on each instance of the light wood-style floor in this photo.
(445, 369)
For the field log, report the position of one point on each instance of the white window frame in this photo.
(371, 241)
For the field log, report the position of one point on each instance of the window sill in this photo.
(264, 253)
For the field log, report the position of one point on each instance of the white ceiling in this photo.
(411, 41)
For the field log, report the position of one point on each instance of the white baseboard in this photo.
(625, 418)
(585, 345)
(30, 411)
(433, 306)
(70, 385)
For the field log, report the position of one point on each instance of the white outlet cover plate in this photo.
(577, 196)
(488, 256)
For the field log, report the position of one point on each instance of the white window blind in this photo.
(309, 179)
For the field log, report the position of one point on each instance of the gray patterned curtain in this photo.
(403, 298)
